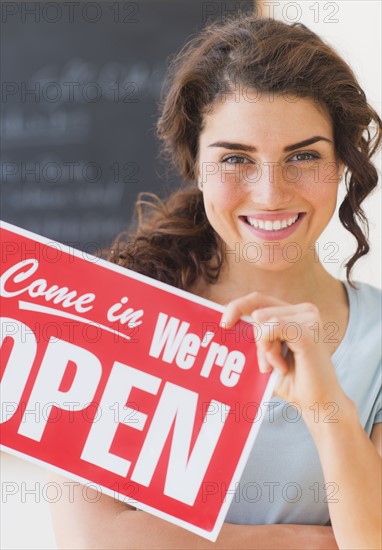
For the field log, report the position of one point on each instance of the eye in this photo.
(234, 159)
(303, 157)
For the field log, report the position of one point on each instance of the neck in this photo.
(303, 281)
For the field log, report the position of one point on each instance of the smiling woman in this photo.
(271, 179)
(265, 121)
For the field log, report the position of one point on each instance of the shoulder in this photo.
(366, 289)
(364, 320)
(361, 348)
(358, 365)
(366, 299)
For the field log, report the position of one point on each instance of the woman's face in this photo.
(269, 176)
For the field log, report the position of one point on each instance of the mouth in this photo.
(279, 226)
(272, 225)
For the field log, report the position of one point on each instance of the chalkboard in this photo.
(80, 89)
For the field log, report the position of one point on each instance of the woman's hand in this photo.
(306, 373)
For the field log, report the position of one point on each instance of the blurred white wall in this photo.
(25, 521)
(353, 28)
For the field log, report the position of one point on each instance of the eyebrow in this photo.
(251, 149)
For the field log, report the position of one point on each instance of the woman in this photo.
(265, 122)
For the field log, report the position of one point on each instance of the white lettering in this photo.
(19, 364)
(216, 355)
(128, 316)
(188, 350)
(169, 336)
(186, 469)
(232, 368)
(121, 381)
(46, 387)
(40, 287)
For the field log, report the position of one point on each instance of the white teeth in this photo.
(272, 226)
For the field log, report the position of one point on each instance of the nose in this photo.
(273, 188)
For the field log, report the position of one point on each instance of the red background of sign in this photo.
(64, 437)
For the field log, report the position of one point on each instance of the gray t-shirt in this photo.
(283, 481)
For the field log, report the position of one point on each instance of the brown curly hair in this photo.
(173, 240)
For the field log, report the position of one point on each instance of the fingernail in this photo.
(224, 321)
(263, 363)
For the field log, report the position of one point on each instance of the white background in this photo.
(25, 518)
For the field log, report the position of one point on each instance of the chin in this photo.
(274, 267)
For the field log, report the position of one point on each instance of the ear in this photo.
(198, 177)
(341, 170)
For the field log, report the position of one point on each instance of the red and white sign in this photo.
(112, 377)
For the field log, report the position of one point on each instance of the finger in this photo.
(246, 305)
(263, 315)
(272, 359)
(264, 366)
(276, 360)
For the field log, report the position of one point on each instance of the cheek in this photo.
(320, 179)
(318, 184)
(221, 199)
(321, 200)
(322, 194)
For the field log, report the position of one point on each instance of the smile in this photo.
(277, 228)
(269, 225)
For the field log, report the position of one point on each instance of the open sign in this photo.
(149, 402)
